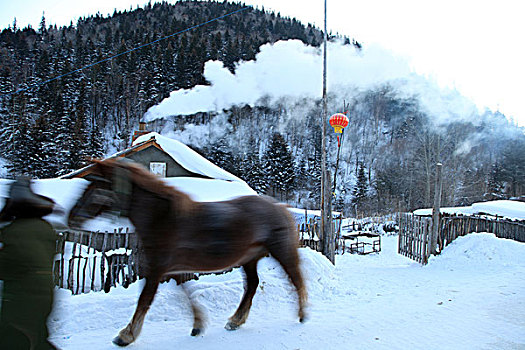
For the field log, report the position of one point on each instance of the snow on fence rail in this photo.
(415, 231)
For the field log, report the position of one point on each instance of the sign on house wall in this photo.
(158, 168)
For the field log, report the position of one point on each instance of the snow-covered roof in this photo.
(508, 209)
(187, 158)
(65, 192)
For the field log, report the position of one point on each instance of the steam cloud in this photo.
(292, 69)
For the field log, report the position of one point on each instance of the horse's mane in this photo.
(151, 183)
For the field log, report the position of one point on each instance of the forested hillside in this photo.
(389, 149)
(50, 129)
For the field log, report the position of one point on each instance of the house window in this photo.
(158, 168)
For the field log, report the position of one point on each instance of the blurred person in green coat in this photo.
(27, 248)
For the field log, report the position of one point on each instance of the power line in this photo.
(123, 53)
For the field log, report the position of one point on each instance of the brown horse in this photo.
(180, 235)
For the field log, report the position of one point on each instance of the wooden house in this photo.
(165, 157)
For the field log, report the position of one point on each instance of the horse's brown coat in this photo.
(180, 235)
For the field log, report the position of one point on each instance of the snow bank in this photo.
(318, 271)
(513, 210)
(480, 249)
(224, 291)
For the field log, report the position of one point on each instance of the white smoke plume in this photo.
(291, 69)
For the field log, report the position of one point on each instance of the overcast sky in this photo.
(475, 46)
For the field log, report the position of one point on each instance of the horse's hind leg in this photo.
(129, 334)
(250, 287)
(288, 257)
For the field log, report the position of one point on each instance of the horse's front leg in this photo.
(250, 287)
(199, 319)
(129, 334)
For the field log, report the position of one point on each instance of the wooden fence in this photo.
(94, 261)
(415, 231)
(454, 226)
(310, 234)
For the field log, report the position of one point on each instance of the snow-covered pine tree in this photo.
(471, 187)
(220, 154)
(20, 145)
(79, 151)
(6, 87)
(231, 54)
(42, 30)
(181, 64)
(280, 166)
(313, 183)
(65, 123)
(495, 183)
(41, 153)
(252, 168)
(95, 145)
(339, 202)
(513, 164)
(360, 191)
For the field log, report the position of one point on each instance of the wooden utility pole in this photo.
(436, 209)
(327, 236)
(339, 144)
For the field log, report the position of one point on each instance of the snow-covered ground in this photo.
(469, 297)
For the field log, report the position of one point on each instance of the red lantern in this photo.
(338, 121)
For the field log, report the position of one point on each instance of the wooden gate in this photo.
(414, 236)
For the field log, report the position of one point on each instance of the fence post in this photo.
(436, 209)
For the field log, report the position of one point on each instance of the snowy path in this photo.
(470, 297)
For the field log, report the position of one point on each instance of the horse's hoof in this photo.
(230, 326)
(195, 332)
(303, 317)
(118, 341)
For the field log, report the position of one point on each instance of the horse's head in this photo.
(109, 191)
